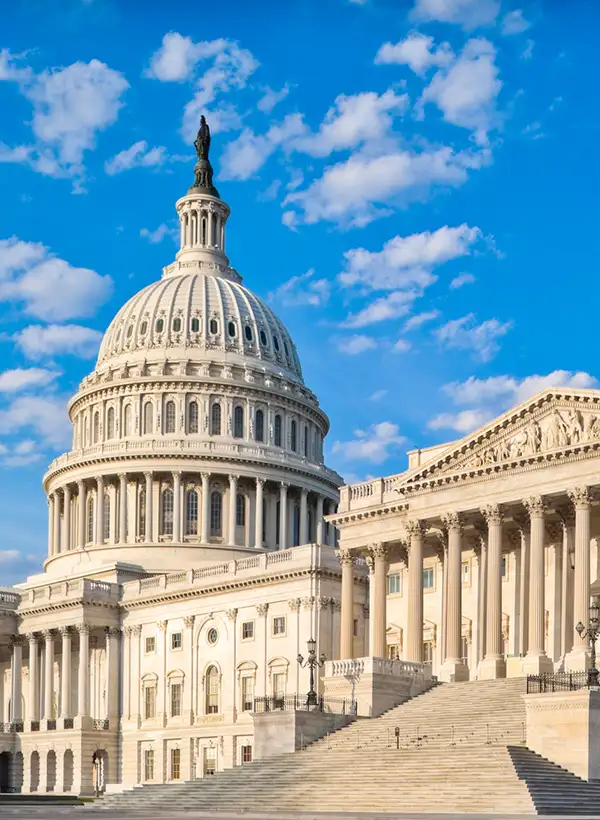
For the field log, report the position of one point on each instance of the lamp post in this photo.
(312, 662)
(591, 632)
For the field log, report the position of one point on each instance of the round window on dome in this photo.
(160, 325)
(276, 343)
(248, 333)
(214, 327)
(195, 325)
(144, 328)
(263, 338)
(176, 325)
(231, 329)
(212, 636)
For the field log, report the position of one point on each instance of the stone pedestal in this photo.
(454, 672)
(492, 668)
(577, 660)
(277, 733)
(537, 665)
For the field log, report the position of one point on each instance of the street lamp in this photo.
(591, 633)
(312, 662)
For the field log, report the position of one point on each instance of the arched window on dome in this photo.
(89, 535)
(167, 512)
(294, 436)
(195, 325)
(170, 417)
(148, 419)
(106, 516)
(215, 419)
(191, 513)
(238, 422)
(203, 230)
(277, 431)
(240, 510)
(306, 441)
(193, 417)
(211, 683)
(110, 423)
(216, 513)
(96, 433)
(259, 426)
(127, 420)
(142, 513)
(296, 526)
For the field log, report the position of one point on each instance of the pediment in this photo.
(551, 425)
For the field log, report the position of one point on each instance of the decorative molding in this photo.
(492, 514)
(535, 506)
(452, 521)
(262, 609)
(294, 604)
(580, 497)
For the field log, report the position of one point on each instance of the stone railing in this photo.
(9, 600)
(81, 588)
(355, 667)
(370, 493)
(247, 568)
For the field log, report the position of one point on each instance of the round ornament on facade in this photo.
(212, 636)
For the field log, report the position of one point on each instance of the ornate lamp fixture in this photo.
(312, 662)
(591, 633)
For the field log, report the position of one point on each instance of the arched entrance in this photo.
(100, 770)
(5, 768)
(17, 772)
(68, 771)
(51, 771)
(34, 772)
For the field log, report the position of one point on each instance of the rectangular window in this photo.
(248, 630)
(428, 652)
(394, 651)
(176, 640)
(246, 754)
(428, 578)
(504, 567)
(279, 625)
(148, 764)
(394, 583)
(355, 627)
(464, 648)
(175, 764)
(210, 761)
(247, 694)
(466, 573)
(279, 685)
(150, 646)
(150, 702)
(175, 700)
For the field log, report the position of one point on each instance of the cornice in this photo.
(381, 511)
(46, 607)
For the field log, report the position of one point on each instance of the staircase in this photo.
(459, 749)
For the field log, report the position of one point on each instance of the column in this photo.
(83, 677)
(113, 634)
(233, 481)
(81, 514)
(347, 619)
(122, 508)
(378, 553)
(205, 507)
(177, 506)
(65, 673)
(319, 521)
(56, 524)
(331, 539)
(66, 533)
(578, 657)
(414, 641)
(99, 511)
(481, 552)
(567, 625)
(453, 668)
(17, 672)
(48, 672)
(524, 591)
(34, 672)
(258, 514)
(536, 661)
(50, 525)
(188, 689)
(149, 512)
(493, 664)
(304, 535)
(283, 533)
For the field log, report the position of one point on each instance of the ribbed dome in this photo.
(195, 316)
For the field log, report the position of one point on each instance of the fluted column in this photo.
(56, 523)
(453, 668)
(83, 677)
(176, 506)
(304, 536)
(258, 513)
(149, 511)
(331, 539)
(81, 514)
(66, 533)
(65, 673)
(48, 672)
(536, 660)
(524, 588)
(319, 523)
(34, 677)
(17, 677)
(578, 657)
(99, 510)
(493, 665)
(347, 614)
(205, 507)
(122, 508)
(414, 642)
(378, 553)
(113, 635)
(233, 482)
(283, 519)
(50, 525)
(567, 626)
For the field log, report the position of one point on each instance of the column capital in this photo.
(16, 640)
(99, 479)
(112, 631)
(294, 604)
(48, 635)
(346, 558)
(148, 474)
(83, 629)
(308, 603)
(581, 497)
(162, 625)
(32, 637)
(303, 491)
(260, 481)
(122, 477)
(234, 478)
(284, 485)
(231, 614)
(492, 514)
(80, 484)
(535, 506)
(177, 474)
(378, 550)
(415, 528)
(452, 521)
(188, 621)
(65, 630)
(262, 609)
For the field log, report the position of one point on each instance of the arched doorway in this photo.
(34, 772)
(68, 767)
(51, 771)
(5, 767)
(17, 772)
(100, 770)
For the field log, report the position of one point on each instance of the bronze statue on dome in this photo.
(203, 172)
(202, 142)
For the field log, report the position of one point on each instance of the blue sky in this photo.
(412, 186)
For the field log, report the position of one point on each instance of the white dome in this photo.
(195, 315)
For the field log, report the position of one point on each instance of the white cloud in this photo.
(416, 51)
(271, 98)
(246, 155)
(527, 52)
(514, 23)
(461, 280)
(44, 415)
(12, 68)
(408, 261)
(303, 289)
(355, 344)
(22, 454)
(401, 346)
(420, 319)
(176, 59)
(50, 288)
(374, 445)
(378, 395)
(19, 379)
(140, 155)
(463, 422)
(464, 334)
(395, 304)
(8, 556)
(158, 234)
(38, 341)
(469, 14)
(467, 91)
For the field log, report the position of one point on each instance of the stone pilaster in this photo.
(453, 668)
(536, 660)
(493, 664)
(578, 657)
(347, 618)
(414, 642)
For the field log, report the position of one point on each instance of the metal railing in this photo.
(416, 737)
(68, 723)
(557, 682)
(101, 723)
(35, 726)
(299, 703)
